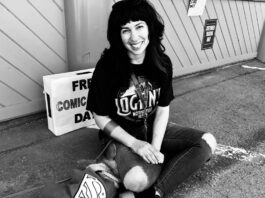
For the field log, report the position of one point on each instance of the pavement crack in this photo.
(214, 84)
(23, 192)
(24, 146)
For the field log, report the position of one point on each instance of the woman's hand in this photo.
(147, 152)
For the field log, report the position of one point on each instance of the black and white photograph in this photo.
(132, 98)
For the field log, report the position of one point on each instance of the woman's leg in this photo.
(136, 174)
(185, 150)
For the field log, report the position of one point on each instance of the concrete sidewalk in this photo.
(228, 101)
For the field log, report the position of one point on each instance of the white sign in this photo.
(196, 7)
(66, 99)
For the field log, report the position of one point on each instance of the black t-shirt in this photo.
(121, 103)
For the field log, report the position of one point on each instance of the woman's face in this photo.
(135, 38)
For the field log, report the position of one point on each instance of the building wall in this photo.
(238, 32)
(239, 27)
(32, 44)
(86, 24)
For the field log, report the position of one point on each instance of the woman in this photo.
(130, 95)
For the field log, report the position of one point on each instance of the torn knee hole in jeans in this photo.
(210, 140)
(136, 179)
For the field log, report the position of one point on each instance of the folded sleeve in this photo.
(99, 91)
(167, 93)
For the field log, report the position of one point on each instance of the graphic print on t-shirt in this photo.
(129, 104)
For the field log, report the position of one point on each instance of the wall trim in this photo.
(200, 67)
(21, 110)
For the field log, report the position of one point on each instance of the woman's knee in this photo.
(127, 194)
(136, 179)
(210, 140)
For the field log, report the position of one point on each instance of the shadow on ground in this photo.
(228, 102)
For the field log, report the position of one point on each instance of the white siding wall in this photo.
(32, 44)
(238, 33)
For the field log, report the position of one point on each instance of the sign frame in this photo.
(209, 33)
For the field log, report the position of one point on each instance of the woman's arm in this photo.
(142, 148)
(159, 126)
(115, 132)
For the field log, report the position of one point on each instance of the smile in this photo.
(136, 46)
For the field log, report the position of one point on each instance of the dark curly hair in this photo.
(134, 10)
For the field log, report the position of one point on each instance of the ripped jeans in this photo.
(185, 152)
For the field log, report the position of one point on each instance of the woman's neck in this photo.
(137, 59)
